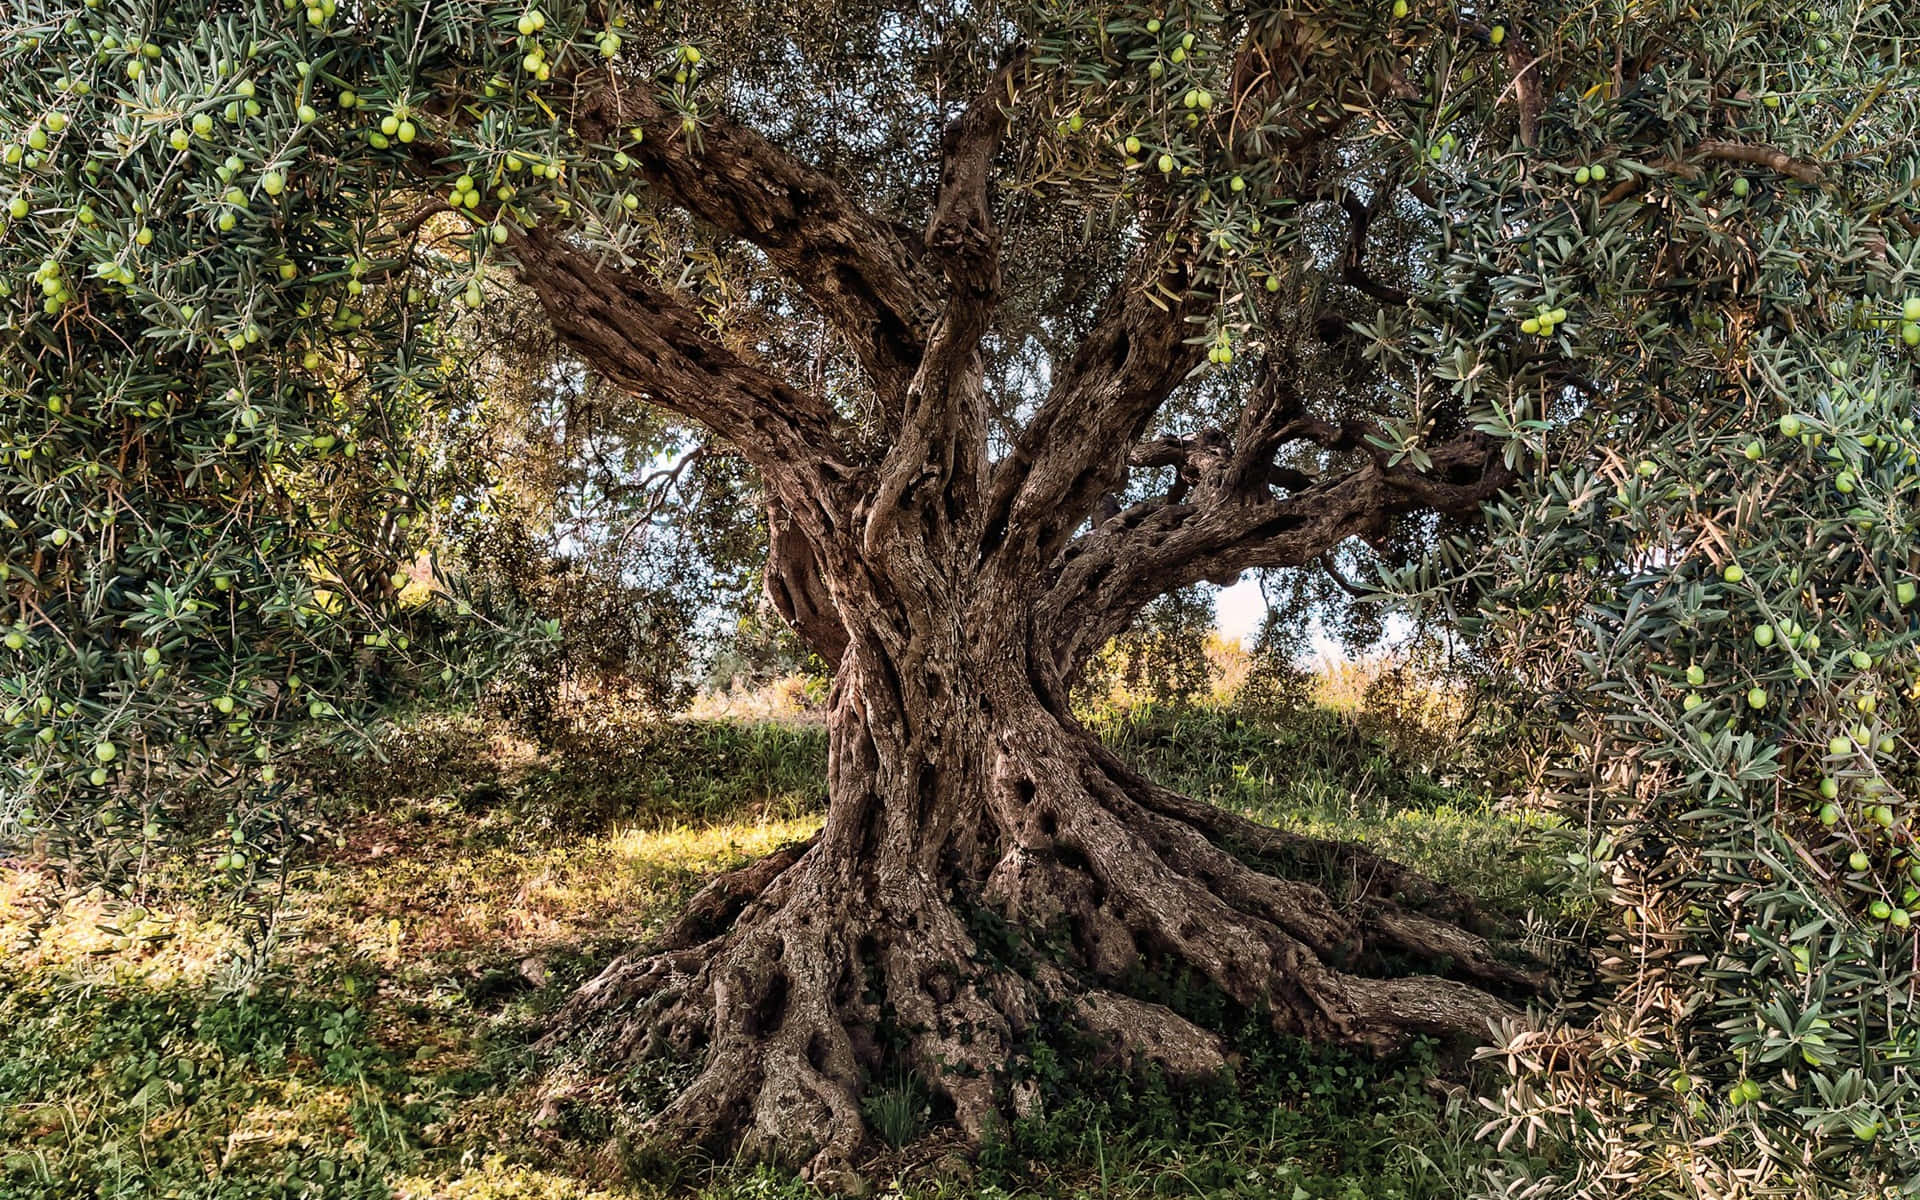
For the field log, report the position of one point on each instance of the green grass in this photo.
(385, 1048)
(1323, 773)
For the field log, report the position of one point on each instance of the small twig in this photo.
(413, 223)
(1760, 156)
(1723, 151)
(1346, 585)
(666, 479)
(1859, 111)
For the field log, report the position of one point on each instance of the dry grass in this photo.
(389, 945)
(439, 899)
(97, 938)
(800, 698)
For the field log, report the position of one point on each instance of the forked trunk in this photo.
(963, 796)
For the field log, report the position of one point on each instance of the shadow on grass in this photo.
(344, 1087)
(133, 1090)
(628, 770)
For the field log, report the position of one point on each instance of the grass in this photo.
(383, 1048)
(1321, 772)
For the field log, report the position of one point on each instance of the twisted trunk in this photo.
(986, 866)
(962, 795)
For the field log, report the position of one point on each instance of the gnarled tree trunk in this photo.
(959, 585)
(961, 788)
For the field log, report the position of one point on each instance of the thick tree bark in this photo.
(958, 590)
(962, 795)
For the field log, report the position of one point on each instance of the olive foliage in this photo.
(1702, 599)
(257, 294)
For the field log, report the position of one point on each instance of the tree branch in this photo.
(1353, 271)
(1075, 448)
(1718, 150)
(851, 264)
(646, 339)
(1525, 85)
(1113, 571)
(661, 484)
(1760, 156)
(941, 446)
(962, 236)
(1333, 572)
(1074, 451)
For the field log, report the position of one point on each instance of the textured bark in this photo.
(797, 591)
(854, 266)
(960, 787)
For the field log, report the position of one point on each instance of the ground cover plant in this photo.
(384, 1045)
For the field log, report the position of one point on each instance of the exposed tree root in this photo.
(799, 978)
(1360, 872)
(1140, 1031)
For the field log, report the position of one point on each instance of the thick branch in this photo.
(1074, 451)
(941, 446)
(1241, 465)
(962, 236)
(640, 335)
(1157, 547)
(854, 266)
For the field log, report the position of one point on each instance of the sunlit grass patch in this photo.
(131, 1064)
(706, 848)
(1481, 848)
(497, 1178)
(100, 938)
(300, 1119)
(526, 897)
(131, 1089)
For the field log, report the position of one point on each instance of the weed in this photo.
(898, 1109)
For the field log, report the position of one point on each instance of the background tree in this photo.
(616, 521)
(1022, 317)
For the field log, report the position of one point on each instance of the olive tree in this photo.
(1701, 603)
(1022, 315)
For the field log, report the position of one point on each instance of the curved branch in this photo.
(1332, 571)
(851, 264)
(643, 337)
(1112, 572)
